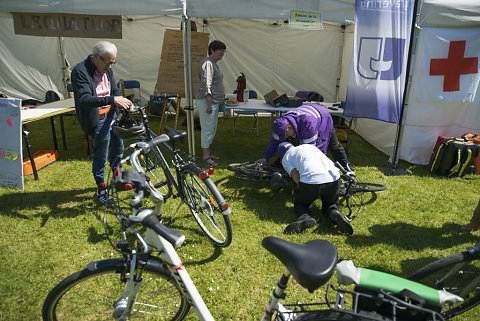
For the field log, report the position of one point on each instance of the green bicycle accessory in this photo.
(348, 274)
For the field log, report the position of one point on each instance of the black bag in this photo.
(453, 157)
(51, 96)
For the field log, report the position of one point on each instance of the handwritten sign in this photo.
(307, 20)
(11, 164)
(67, 25)
(171, 79)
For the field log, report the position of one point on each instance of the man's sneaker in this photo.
(104, 198)
(341, 221)
(303, 222)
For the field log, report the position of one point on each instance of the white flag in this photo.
(447, 69)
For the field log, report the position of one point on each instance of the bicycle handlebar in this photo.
(144, 148)
(149, 219)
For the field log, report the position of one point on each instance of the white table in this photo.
(47, 110)
(260, 105)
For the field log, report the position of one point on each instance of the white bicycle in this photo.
(149, 281)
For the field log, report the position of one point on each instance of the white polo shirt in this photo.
(313, 165)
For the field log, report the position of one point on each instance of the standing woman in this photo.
(209, 96)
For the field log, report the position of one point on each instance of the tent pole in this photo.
(65, 66)
(187, 62)
(398, 138)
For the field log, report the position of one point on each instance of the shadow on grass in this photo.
(59, 204)
(402, 234)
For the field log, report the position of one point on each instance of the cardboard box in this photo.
(274, 99)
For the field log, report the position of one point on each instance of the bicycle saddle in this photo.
(311, 264)
(175, 134)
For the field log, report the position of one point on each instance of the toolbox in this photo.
(42, 158)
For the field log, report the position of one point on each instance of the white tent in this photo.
(259, 44)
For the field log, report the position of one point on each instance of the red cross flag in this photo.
(447, 68)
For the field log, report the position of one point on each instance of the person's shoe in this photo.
(103, 197)
(341, 221)
(302, 223)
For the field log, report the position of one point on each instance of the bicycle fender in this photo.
(474, 251)
(153, 261)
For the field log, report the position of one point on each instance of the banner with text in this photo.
(67, 25)
(11, 164)
(380, 53)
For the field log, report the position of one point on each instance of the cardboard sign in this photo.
(67, 25)
(171, 79)
(11, 163)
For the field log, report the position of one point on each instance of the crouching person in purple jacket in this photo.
(307, 124)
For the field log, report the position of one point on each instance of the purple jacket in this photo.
(312, 123)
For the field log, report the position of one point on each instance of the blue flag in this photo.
(380, 53)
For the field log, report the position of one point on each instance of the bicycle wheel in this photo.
(456, 274)
(90, 294)
(204, 201)
(252, 171)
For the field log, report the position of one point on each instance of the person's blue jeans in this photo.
(106, 145)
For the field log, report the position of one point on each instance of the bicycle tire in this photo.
(432, 273)
(255, 172)
(76, 294)
(205, 201)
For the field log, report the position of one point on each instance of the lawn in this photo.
(55, 228)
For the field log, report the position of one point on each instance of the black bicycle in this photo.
(353, 192)
(459, 274)
(191, 183)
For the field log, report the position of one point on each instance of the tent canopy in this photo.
(259, 44)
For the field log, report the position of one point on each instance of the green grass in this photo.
(54, 227)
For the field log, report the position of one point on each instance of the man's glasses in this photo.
(108, 63)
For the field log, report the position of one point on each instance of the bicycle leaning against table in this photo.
(150, 282)
(353, 192)
(193, 185)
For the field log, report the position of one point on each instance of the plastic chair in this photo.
(132, 84)
(252, 94)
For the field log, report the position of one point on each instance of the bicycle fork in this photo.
(274, 306)
(124, 305)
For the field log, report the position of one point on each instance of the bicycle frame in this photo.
(168, 255)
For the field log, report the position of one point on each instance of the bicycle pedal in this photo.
(160, 184)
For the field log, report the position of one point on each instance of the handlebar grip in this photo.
(340, 167)
(156, 141)
(174, 237)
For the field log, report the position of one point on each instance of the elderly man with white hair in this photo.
(96, 99)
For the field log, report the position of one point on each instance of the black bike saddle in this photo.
(175, 134)
(311, 264)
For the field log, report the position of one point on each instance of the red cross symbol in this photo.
(454, 66)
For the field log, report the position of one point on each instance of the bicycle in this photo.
(191, 184)
(458, 273)
(353, 192)
(150, 282)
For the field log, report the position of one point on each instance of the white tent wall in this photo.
(138, 52)
(30, 66)
(274, 57)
